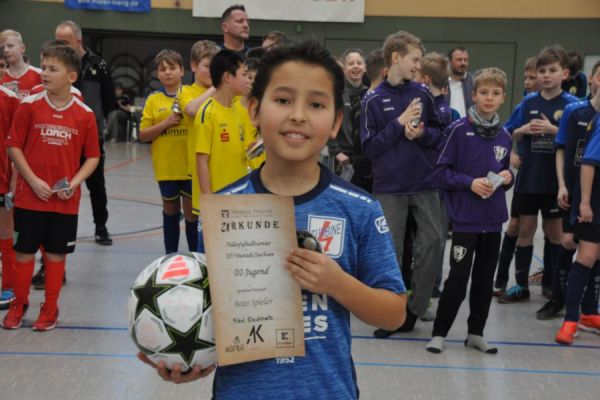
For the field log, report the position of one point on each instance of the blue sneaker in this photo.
(514, 295)
(6, 297)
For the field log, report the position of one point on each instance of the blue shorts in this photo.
(171, 190)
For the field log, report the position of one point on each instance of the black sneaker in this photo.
(40, 279)
(102, 236)
(550, 310)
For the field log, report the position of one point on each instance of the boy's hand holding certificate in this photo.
(257, 306)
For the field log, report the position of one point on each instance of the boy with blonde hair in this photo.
(400, 130)
(20, 76)
(474, 169)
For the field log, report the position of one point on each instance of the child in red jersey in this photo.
(20, 76)
(8, 105)
(50, 133)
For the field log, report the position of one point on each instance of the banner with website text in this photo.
(288, 10)
(141, 6)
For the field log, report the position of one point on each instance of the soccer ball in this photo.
(170, 313)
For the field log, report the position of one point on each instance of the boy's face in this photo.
(202, 72)
(488, 98)
(550, 76)
(406, 67)
(239, 82)
(297, 113)
(530, 81)
(14, 49)
(55, 75)
(593, 79)
(354, 67)
(169, 75)
(251, 73)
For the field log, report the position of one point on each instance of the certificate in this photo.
(257, 306)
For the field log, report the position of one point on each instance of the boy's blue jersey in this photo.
(591, 157)
(352, 230)
(573, 133)
(537, 173)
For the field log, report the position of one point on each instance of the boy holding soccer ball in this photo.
(296, 103)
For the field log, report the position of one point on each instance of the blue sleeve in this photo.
(511, 120)
(377, 139)
(377, 263)
(518, 120)
(561, 135)
(592, 149)
(444, 174)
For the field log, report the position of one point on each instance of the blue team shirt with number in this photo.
(573, 133)
(352, 230)
(537, 173)
(591, 157)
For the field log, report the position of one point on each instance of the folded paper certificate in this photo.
(495, 180)
(257, 306)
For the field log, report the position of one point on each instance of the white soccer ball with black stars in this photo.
(170, 311)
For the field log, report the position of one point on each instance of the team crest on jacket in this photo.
(329, 231)
(500, 152)
(459, 252)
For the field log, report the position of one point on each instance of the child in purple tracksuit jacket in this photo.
(475, 146)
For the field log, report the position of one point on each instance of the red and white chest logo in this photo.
(329, 232)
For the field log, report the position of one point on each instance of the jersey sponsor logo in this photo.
(500, 152)
(224, 136)
(381, 225)
(470, 134)
(534, 112)
(557, 115)
(57, 116)
(459, 252)
(386, 100)
(71, 243)
(584, 123)
(388, 108)
(329, 231)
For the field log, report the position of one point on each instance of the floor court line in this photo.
(359, 364)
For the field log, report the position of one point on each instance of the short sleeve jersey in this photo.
(222, 136)
(537, 173)
(53, 141)
(573, 133)
(8, 106)
(352, 230)
(187, 94)
(590, 157)
(169, 149)
(23, 83)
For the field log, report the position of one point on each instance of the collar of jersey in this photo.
(324, 181)
(164, 91)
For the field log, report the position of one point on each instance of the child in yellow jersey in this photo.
(163, 125)
(255, 153)
(191, 98)
(222, 134)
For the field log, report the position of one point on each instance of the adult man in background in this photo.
(460, 81)
(236, 29)
(95, 83)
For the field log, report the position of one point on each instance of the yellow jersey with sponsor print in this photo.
(222, 136)
(169, 149)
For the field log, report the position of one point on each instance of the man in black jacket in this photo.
(96, 86)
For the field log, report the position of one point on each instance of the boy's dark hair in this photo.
(60, 50)
(575, 62)
(551, 55)
(375, 64)
(171, 57)
(310, 52)
(454, 49)
(202, 49)
(435, 66)
(279, 38)
(399, 42)
(252, 63)
(595, 68)
(531, 64)
(224, 61)
(230, 9)
(350, 51)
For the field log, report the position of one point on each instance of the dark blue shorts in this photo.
(172, 190)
